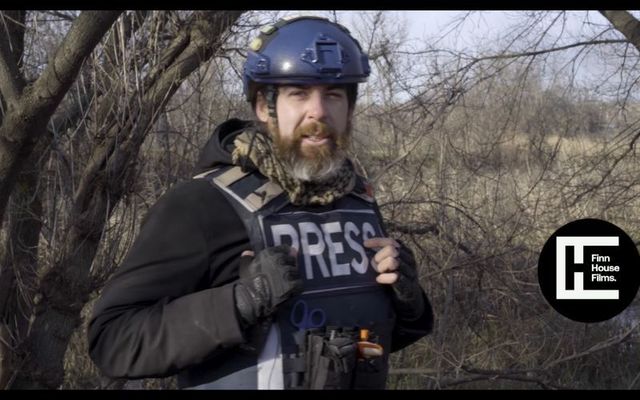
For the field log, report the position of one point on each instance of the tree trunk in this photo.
(20, 257)
(65, 287)
(13, 22)
(626, 24)
(31, 106)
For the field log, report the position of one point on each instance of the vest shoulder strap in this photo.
(203, 174)
(261, 195)
(252, 194)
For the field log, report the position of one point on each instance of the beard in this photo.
(315, 162)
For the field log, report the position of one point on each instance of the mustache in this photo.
(316, 129)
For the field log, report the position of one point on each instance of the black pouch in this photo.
(331, 357)
(370, 373)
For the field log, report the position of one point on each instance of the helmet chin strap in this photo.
(271, 94)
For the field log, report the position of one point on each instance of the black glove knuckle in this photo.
(281, 249)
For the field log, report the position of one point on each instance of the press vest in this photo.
(339, 287)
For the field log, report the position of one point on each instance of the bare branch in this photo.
(60, 15)
(454, 94)
(13, 25)
(23, 124)
(544, 51)
(11, 80)
(596, 348)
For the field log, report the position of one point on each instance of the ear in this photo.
(262, 109)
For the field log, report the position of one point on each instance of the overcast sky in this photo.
(485, 32)
(423, 24)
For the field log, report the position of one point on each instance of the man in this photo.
(270, 269)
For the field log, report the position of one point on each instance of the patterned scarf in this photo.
(258, 148)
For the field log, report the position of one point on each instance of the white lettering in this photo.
(367, 231)
(599, 258)
(334, 249)
(602, 278)
(326, 244)
(605, 268)
(312, 250)
(359, 266)
(278, 231)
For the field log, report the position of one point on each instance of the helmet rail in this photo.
(304, 50)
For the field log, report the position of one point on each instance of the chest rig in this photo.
(340, 299)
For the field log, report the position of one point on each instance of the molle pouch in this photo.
(331, 359)
(371, 371)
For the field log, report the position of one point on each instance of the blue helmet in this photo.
(303, 51)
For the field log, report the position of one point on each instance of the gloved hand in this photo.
(397, 267)
(266, 281)
(407, 293)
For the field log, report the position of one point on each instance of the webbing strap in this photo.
(295, 364)
(203, 174)
(230, 176)
(263, 195)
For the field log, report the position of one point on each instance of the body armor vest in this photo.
(340, 297)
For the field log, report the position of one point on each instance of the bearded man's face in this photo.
(312, 134)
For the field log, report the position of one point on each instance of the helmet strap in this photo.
(271, 94)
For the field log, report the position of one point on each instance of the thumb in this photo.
(246, 257)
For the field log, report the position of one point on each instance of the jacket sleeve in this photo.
(170, 304)
(408, 332)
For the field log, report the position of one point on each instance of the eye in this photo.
(298, 93)
(336, 94)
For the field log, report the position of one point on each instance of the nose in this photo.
(316, 107)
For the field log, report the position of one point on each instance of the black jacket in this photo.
(169, 307)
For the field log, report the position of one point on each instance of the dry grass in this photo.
(494, 213)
